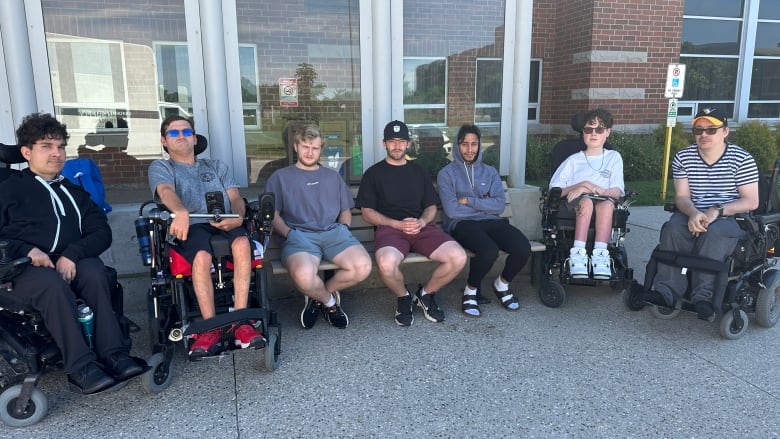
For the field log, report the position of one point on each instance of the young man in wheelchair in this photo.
(55, 224)
(713, 180)
(180, 183)
(590, 181)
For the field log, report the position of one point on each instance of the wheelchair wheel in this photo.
(551, 293)
(729, 328)
(768, 304)
(33, 413)
(271, 353)
(664, 312)
(159, 377)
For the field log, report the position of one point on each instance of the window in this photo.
(89, 96)
(719, 60)
(487, 108)
(173, 79)
(765, 79)
(425, 91)
(247, 57)
(534, 89)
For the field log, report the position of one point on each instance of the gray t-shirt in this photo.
(309, 200)
(193, 181)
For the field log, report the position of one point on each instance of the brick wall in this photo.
(565, 28)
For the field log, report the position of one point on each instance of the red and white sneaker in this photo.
(246, 336)
(207, 344)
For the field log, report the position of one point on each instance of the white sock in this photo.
(579, 244)
(423, 292)
(331, 302)
(499, 285)
(469, 291)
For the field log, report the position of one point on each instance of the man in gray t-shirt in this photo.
(312, 216)
(181, 183)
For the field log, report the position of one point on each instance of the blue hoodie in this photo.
(478, 182)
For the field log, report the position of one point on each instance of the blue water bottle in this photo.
(144, 243)
(87, 320)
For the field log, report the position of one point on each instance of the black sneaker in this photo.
(310, 313)
(704, 310)
(404, 311)
(334, 314)
(429, 306)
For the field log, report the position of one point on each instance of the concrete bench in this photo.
(364, 232)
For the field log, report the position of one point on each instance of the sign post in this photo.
(675, 80)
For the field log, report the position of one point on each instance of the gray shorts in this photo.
(327, 244)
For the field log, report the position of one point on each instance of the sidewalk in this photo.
(589, 369)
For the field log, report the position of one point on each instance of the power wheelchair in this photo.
(748, 281)
(173, 312)
(551, 268)
(27, 349)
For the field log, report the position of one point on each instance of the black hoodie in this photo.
(57, 217)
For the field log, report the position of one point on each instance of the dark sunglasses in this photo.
(711, 130)
(589, 130)
(175, 133)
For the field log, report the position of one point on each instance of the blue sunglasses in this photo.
(175, 133)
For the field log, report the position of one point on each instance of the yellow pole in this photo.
(665, 171)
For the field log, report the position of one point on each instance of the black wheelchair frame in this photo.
(27, 349)
(748, 281)
(551, 268)
(173, 312)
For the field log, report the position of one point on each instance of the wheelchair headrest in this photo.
(202, 144)
(11, 154)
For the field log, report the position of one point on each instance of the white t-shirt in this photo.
(605, 170)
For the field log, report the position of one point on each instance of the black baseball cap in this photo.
(713, 115)
(396, 130)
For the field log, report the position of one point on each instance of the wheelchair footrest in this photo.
(226, 319)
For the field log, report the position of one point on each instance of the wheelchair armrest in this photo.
(11, 269)
(767, 218)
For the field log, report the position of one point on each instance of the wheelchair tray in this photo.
(226, 319)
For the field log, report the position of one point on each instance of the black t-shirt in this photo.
(397, 192)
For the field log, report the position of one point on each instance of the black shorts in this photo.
(199, 236)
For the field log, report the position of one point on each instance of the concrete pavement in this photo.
(591, 368)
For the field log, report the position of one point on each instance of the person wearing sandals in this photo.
(472, 197)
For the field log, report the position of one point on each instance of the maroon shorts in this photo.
(426, 242)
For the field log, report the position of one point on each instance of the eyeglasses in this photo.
(175, 133)
(697, 131)
(589, 130)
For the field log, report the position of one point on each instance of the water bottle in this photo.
(4, 257)
(87, 320)
(144, 244)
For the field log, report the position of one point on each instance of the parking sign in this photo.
(675, 80)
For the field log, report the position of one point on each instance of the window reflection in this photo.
(715, 8)
(107, 83)
(712, 37)
(315, 43)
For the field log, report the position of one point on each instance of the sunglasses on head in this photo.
(697, 131)
(589, 130)
(175, 133)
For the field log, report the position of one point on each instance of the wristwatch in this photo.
(720, 209)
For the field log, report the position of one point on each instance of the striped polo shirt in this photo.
(716, 183)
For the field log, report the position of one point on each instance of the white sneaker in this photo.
(601, 264)
(578, 263)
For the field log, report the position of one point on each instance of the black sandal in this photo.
(470, 303)
(506, 298)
